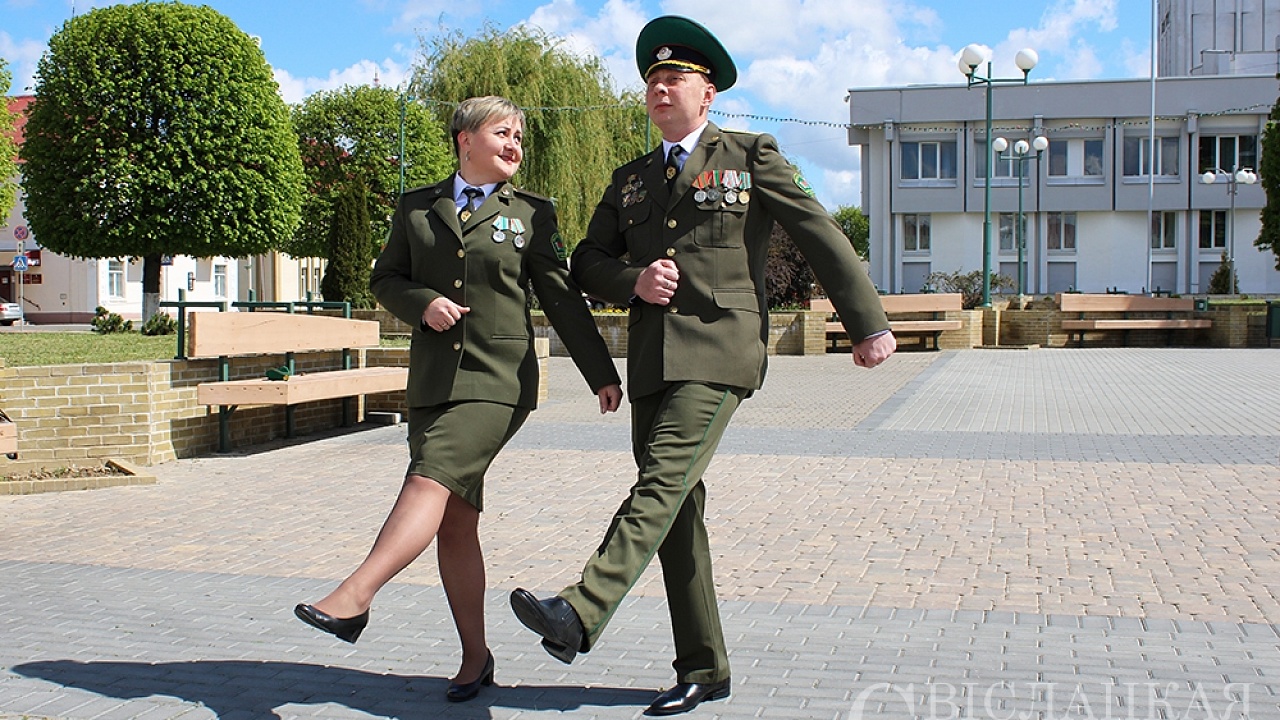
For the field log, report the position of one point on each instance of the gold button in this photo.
(462, 253)
(457, 346)
(457, 283)
(671, 223)
(672, 309)
(671, 252)
(630, 221)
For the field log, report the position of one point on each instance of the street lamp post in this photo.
(1021, 155)
(1242, 176)
(970, 58)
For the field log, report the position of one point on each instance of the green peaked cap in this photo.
(674, 41)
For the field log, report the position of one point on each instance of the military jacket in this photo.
(715, 224)
(509, 244)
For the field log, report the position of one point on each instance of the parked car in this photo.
(10, 313)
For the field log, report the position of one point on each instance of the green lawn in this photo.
(51, 348)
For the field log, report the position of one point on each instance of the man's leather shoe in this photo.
(685, 696)
(554, 619)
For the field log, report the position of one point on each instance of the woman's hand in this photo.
(610, 398)
(443, 314)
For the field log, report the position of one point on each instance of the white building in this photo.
(1103, 206)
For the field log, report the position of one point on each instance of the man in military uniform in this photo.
(682, 235)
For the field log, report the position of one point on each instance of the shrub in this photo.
(160, 324)
(1220, 281)
(969, 285)
(105, 322)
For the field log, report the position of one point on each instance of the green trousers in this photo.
(674, 435)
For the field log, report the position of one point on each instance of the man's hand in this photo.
(610, 398)
(658, 282)
(443, 314)
(874, 350)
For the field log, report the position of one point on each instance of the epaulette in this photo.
(739, 132)
(533, 195)
(421, 188)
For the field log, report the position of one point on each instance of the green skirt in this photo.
(454, 444)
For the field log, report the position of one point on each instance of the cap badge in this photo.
(664, 53)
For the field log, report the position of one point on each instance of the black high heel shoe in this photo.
(348, 629)
(461, 693)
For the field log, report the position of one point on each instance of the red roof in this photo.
(18, 104)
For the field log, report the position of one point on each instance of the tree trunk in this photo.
(150, 286)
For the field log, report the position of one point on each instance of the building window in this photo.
(1005, 168)
(1075, 158)
(115, 279)
(928, 161)
(916, 232)
(1213, 229)
(1228, 152)
(1139, 158)
(1062, 232)
(220, 281)
(1008, 242)
(1164, 231)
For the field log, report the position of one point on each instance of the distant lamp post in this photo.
(970, 58)
(405, 99)
(1021, 155)
(1242, 176)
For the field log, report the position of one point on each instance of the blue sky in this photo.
(796, 58)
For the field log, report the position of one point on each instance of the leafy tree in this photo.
(788, 278)
(8, 150)
(856, 227)
(1269, 172)
(577, 129)
(158, 129)
(346, 277)
(355, 131)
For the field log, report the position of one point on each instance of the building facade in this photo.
(1114, 202)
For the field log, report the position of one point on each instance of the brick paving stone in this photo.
(979, 532)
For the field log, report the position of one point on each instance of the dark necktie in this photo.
(475, 196)
(673, 165)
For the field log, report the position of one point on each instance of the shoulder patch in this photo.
(803, 184)
(557, 244)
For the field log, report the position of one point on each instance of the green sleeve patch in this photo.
(557, 244)
(803, 184)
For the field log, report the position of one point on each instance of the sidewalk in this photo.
(1078, 533)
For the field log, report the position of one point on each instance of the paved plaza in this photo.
(1048, 533)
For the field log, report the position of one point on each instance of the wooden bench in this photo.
(227, 334)
(1112, 312)
(920, 314)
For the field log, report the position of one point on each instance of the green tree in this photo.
(8, 150)
(346, 277)
(158, 129)
(1269, 173)
(1220, 281)
(856, 227)
(577, 129)
(355, 131)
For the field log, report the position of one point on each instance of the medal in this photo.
(731, 197)
(499, 236)
(518, 241)
(700, 196)
(713, 195)
(744, 197)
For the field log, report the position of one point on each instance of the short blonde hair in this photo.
(474, 113)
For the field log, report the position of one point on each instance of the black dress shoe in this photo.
(348, 629)
(685, 696)
(462, 692)
(554, 619)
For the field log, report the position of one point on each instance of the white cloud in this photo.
(609, 35)
(388, 73)
(22, 56)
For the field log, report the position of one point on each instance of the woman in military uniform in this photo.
(457, 268)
